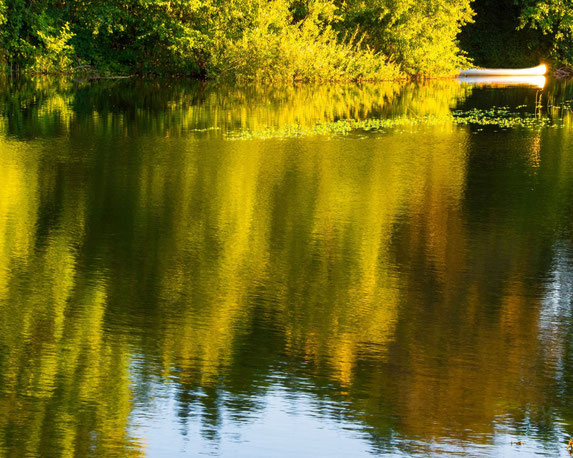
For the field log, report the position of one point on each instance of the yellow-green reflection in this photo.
(504, 81)
(167, 108)
(55, 361)
(408, 270)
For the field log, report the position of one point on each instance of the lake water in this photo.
(314, 271)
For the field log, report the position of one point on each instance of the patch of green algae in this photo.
(500, 117)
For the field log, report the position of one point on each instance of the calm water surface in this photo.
(180, 274)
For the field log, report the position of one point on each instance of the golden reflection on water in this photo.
(133, 254)
(505, 81)
(169, 108)
(56, 362)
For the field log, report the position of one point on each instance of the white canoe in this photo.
(540, 70)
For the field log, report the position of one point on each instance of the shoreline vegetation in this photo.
(280, 41)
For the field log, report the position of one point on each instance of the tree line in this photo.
(267, 40)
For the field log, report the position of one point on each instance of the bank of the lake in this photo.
(281, 40)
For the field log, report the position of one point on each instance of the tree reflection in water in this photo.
(409, 286)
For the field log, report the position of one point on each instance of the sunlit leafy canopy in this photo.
(251, 39)
(554, 18)
(420, 34)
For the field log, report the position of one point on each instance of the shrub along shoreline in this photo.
(255, 40)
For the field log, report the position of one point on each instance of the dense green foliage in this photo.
(245, 39)
(516, 33)
(286, 40)
(554, 19)
(420, 34)
(497, 38)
